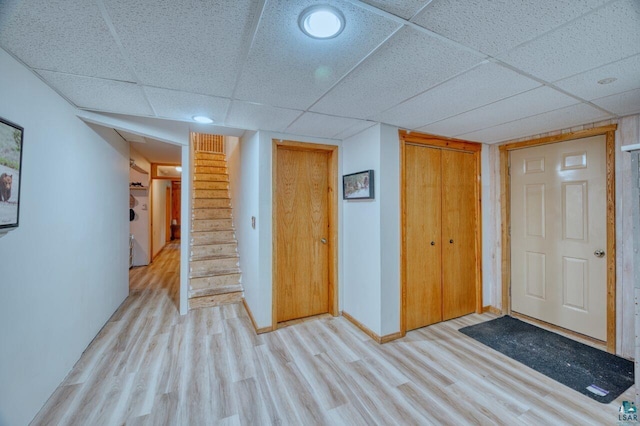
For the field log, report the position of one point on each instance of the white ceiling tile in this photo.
(183, 106)
(195, 46)
(573, 115)
(482, 85)
(409, 63)
(288, 69)
(360, 126)
(99, 94)
(260, 117)
(493, 27)
(520, 106)
(402, 8)
(606, 35)
(626, 103)
(585, 85)
(62, 35)
(320, 125)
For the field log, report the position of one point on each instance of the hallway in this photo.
(150, 366)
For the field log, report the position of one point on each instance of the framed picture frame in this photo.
(358, 186)
(11, 147)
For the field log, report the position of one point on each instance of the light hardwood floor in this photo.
(150, 366)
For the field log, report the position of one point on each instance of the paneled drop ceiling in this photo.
(484, 70)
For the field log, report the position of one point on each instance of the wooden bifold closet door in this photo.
(440, 234)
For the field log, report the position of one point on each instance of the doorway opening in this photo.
(559, 277)
(154, 213)
(305, 231)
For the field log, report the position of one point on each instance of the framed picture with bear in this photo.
(11, 138)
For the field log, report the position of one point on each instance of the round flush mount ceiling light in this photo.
(321, 21)
(607, 80)
(202, 119)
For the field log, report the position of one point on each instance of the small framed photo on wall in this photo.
(11, 137)
(358, 186)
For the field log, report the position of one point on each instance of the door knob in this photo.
(599, 253)
(323, 241)
(451, 241)
(433, 243)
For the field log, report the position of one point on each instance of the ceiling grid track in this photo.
(260, 5)
(371, 53)
(418, 65)
(487, 57)
(112, 29)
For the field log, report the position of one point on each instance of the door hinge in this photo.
(509, 170)
(509, 230)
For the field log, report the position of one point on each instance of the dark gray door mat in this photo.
(590, 371)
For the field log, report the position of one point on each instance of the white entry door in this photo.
(558, 235)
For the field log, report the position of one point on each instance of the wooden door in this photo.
(558, 235)
(176, 189)
(167, 215)
(423, 298)
(302, 233)
(459, 224)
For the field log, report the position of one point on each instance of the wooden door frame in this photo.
(433, 141)
(150, 210)
(332, 204)
(505, 201)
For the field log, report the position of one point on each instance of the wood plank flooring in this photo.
(150, 366)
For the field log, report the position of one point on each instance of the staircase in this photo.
(214, 271)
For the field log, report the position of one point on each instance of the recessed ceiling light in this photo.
(607, 80)
(321, 21)
(178, 169)
(202, 119)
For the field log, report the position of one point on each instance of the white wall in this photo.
(243, 175)
(390, 230)
(361, 240)
(185, 226)
(140, 225)
(159, 226)
(64, 270)
(372, 234)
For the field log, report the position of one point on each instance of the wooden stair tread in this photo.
(214, 274)
(210, 177)
(226, 228)
(214, 257)
(218, 243)
(229, 275)
(193, 233)
(193, 244)
(215, 300)
(215, 290)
